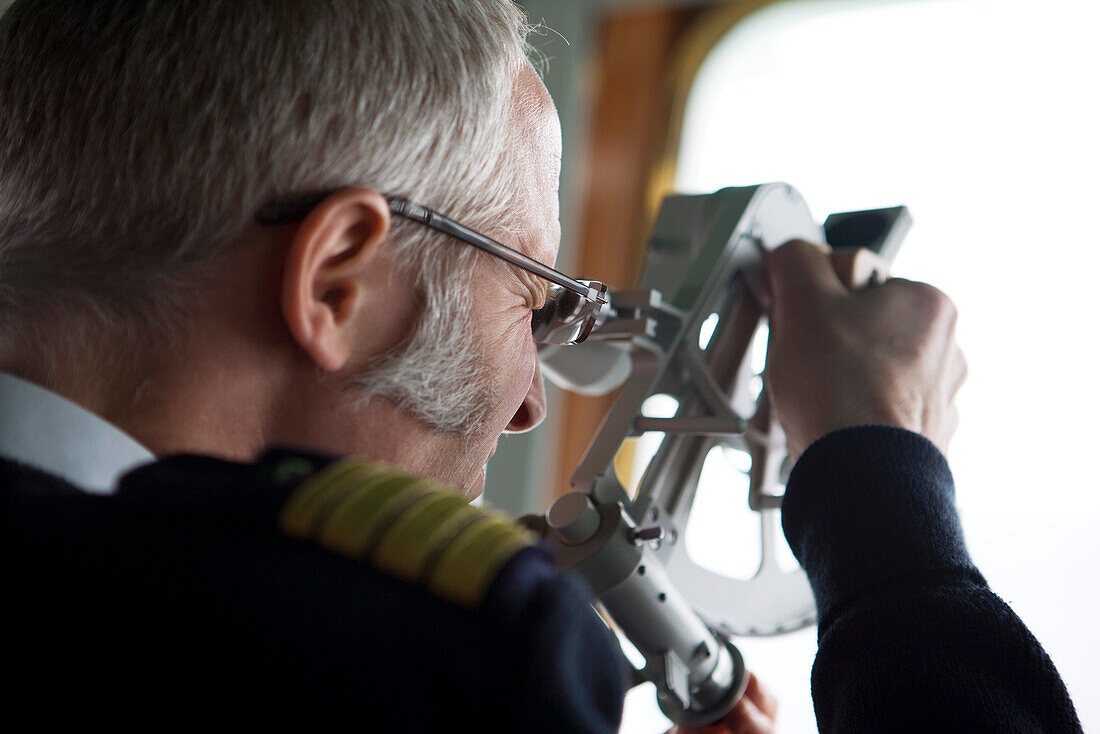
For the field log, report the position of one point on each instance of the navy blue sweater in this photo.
(910, 637)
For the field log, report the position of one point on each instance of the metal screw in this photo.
(652, 533)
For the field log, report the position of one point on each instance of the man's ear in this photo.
(328, 267)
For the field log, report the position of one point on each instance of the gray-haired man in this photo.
(208, 247)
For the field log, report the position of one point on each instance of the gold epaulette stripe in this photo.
(409, 527)
(416, 538)
(471, 562)
(357, 522)
(300, 514)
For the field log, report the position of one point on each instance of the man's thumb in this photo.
(800, 271)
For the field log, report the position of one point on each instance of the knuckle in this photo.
(929, 300)
(801, 244)
(796, 249)
(962, 370)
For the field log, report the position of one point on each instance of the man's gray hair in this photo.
(139, 137)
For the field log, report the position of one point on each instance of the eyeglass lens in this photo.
(567, 318)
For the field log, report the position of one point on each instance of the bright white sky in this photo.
(983, 116)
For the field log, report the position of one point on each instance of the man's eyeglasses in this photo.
(572, 308)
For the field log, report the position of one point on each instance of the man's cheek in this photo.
(520, 366)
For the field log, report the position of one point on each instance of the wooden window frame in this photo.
(638, 106)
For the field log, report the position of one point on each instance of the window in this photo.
(982, 117)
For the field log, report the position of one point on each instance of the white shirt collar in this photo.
(46, 431)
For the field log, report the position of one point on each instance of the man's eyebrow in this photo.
(537, 286)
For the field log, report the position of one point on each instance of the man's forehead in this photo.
(535, 127)
(532, 101)
(536, 139)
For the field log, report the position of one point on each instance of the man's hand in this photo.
(754, 714)
(841, 355)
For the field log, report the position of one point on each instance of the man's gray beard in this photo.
(436, 375)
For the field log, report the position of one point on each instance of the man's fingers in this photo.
(747, 718)
(961, 371)
(744, 718)
(958, 371)
(754, 713)
(798, 271)
(762, 697)
(858, 267)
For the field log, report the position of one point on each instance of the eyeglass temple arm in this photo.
(405, 208)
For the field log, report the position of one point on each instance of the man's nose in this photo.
(533, 409)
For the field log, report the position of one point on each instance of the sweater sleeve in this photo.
(910, 637)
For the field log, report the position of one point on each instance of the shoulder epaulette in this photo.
(406, 526)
